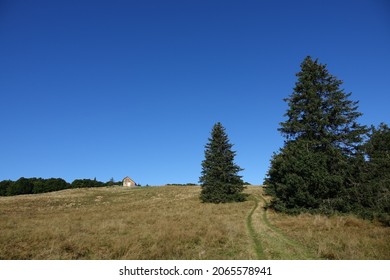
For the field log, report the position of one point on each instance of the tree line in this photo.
(330, 163)
(40, 185)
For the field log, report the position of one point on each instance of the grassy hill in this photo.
(171, 223)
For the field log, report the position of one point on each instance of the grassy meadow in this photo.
(171, 223)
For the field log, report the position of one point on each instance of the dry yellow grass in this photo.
(337, 237)
(118, 223)
(171, 223)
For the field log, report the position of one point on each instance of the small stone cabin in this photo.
(128, 182)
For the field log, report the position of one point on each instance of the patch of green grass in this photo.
(252, 232)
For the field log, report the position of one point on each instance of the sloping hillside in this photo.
(171, 223)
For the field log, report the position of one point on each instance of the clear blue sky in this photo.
(114, 88)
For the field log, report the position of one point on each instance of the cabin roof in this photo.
(127, 178)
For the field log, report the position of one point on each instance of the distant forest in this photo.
(39, 185)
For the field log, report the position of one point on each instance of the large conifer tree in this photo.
(220, 180)
(314, 170)
(320, 111)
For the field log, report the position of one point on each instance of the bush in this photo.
(86, 183)
(4, 186)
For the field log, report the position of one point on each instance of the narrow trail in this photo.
(252, 232)
(269, 241)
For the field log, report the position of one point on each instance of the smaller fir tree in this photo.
(220, 181)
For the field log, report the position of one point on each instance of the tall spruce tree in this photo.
(220, 180)
(323, 144)
(320, 111)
